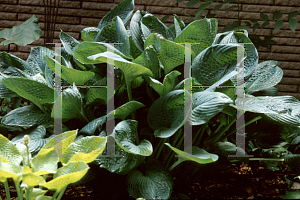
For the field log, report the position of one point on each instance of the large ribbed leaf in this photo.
(266, 74)
(272, 91)
(72, 105)
(131, 70)
(149, 59)
(198, 155)
(124, 10)
(66, 175)
(206, 105)
(97, 94)
(85, 149)
(166, 114)
(7, 60)
(167, 85)
(122, 164)
(10, 170)
(281, 109)
(226, 149)
(214, 63)
(36, 61)
(136, 31)
(23, 34)
(86, 49)
(68, 74)
(123, 111)
(8, 152)
(152, 182)
(25, 117)
(156, 26)
(32, 90)
(125, 136)
(89, 34)
(115, 33)
(200, 31)
(239, 37)
(169, 53)
(91, 127)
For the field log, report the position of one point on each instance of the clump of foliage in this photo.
(151, 89)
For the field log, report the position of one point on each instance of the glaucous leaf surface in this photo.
(7, 60)
(88, 34)
(136, 30)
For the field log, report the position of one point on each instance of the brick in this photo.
(243, 15)
(268, 9)
(9, 1)
(62, 4)
(90, 21)
(22, 9)
(97, 6)
(59, 19)
(287, 33)
(262, 2)
(9, 24)
(289, 65)
(170, 10)
(296, 95)
(279, 56)
(172, 3)
(21, 55)
(291, 73)
(290, 81)
(169, 20)
(65, 27)
(12, 47)
(287, 41)
(224, 6)
(287, 2)
(57, 34)
(9, 16)
(26, 48)
(287, 88)
(285, 49)
(102, 1)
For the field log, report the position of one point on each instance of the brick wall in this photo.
(74, 15)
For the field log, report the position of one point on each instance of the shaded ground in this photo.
(238, 182)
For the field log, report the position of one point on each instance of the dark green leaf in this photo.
(255, 26)
(192, 3)
(264, 16)
(217, 7)
(293, 23)
(89, 34)
(229, 8)
(201, 9)
(253, 20)
(244, 27)
(136, 31)
(266, 23)
(293, 14)
(228, 1)
(277, 15)
(165, 18)
(278, 25)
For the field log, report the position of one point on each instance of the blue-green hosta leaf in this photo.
(149, 59)
(23, 34)
(146, 32)
(72, 106)
(85, 149)
(14, 72)
(166, 114)
(167, 85)
(240, 37)
(7, 60)
(124, 10)
(200, 31)
(226, 149)
(272, 91)
(70, 75)
(91, 127)
(266, 74)
(206, 105)
(89, 34)
(125, 134)
(169, 53)
(86, 49)
(123, 111)
(136, 30)
(97, 94)
(25, 117)
(32, 90)
(214, 63)
(134, 51)
(36, 61)
(115, 33)
(67, 174)
(119, 165)
(198, 155)
(156, 26)
(131, 70)
(153, 182)
(179, 25)
(8, 152)
(280, 109)
(39, 78)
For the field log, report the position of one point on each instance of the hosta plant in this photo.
(151, 88)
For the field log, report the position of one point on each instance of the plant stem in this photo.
(61, 193)
(128, 85)
(55, 195)
(28, 192)
(174, 165)
(20, 193)
(7, 189)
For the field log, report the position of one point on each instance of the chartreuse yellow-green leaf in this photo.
(86, 149)
(31, 179)
(67, 174)
(68, 74)
(35, 192)
(44, 163)
(10, 170)
(60, 141)
(8, 152)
